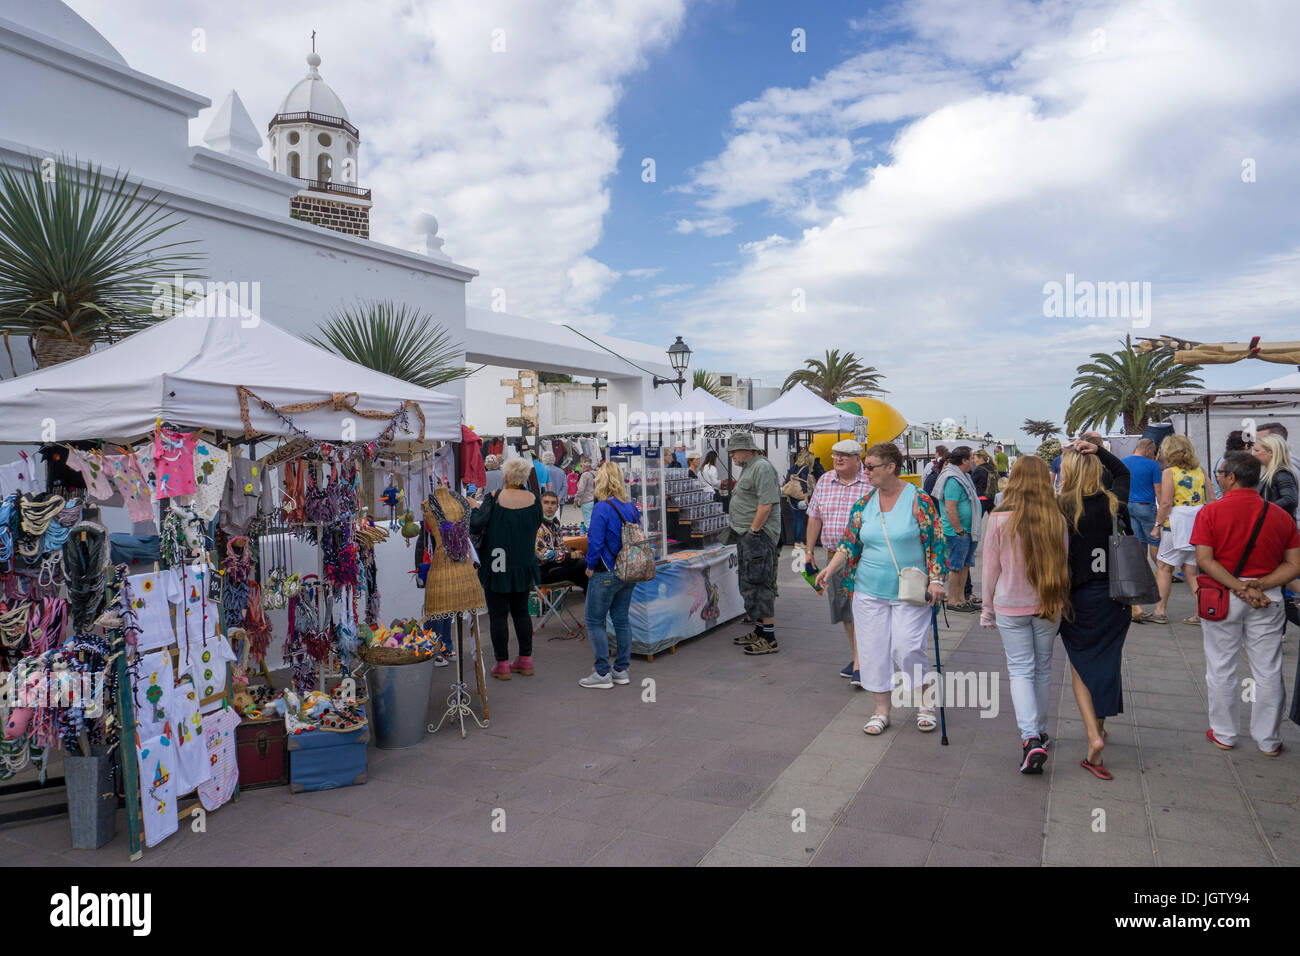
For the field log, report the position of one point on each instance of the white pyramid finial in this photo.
(232, 129)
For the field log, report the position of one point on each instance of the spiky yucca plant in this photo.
(393, 338)
(81, 257)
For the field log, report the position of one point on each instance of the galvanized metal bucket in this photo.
(399, 703)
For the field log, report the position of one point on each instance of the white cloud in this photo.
(715, 226)
(664, 291)
(643, 273)
(512, 151)
(1117, 161)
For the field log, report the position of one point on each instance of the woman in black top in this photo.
(1094, 633)
(508, 522)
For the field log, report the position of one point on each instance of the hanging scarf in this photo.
(85, 559)
(258, 627)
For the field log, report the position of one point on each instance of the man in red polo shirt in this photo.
(1255, 615)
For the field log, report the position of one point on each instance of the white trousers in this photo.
(891, 637)
(1259, 631)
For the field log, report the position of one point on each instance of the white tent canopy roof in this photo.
(185, 370)
(1277, 393)
(699, 409)
(801, 409)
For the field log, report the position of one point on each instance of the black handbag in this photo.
(1131, 580)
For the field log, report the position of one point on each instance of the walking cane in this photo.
(938, 668)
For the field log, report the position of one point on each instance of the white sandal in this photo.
(876, 725)
(926, 719)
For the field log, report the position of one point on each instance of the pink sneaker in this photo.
(501, 670)
(523, 665)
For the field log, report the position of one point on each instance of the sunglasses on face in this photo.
(870, 467)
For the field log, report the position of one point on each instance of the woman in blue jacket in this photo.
(606, 593)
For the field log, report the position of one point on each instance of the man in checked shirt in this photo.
(832, 499)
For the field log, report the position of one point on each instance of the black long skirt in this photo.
(1094, 642)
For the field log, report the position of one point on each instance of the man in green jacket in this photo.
(755, 514)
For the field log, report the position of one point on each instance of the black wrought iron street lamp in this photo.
(679, 356)
(988, 437)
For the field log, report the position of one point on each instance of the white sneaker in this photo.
(596, 680)
(620, 677)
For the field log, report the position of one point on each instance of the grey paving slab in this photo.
(944, 855)
(1005, 835)
(1081, 846)
(555, 840)
(814, 799)
(1206, 827)
(903, 817)
(641, 849)
(776, 835)
(720, 787)
(723, 856)
(608, 806)
(689, 821)
(847, 846)
(900, 784)
(1177, 853)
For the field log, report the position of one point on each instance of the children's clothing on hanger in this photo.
(191, 759)
(156, 757)
(98, 482)
(205, 661)
(152, 596)
(219, 733)
(173, 463)
(128, 478)
(152, 691)
(242, 492)
(201, 615)
(211, 465)
(20, 476)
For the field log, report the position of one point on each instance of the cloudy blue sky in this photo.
(913, 177)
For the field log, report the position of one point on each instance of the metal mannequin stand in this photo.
(458, 701)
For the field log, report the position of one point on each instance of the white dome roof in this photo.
(313, 95)
(57, 21)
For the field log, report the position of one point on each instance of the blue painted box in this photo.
(321, 760)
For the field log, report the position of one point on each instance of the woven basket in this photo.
(54, 350)
(390, 656)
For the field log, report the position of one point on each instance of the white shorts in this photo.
(1171, 555)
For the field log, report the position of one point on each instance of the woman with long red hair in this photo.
(1026, 598)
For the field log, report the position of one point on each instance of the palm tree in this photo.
(81, 259)
(395, 339)
(1121, 385)
(707, 381)
(1039, 428)
(834, 377)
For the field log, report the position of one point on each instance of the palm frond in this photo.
(835, 377)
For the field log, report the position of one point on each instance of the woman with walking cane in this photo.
(897, 561)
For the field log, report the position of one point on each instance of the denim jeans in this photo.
(1028, 642)
(798, 521)
(1143, 517)
(606, 594)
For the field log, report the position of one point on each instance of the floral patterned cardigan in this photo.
(924, 514)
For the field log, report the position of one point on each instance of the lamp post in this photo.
(679, 357)
(988, 438)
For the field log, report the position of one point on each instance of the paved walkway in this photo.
(727, 759)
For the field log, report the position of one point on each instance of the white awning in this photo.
(186, 369)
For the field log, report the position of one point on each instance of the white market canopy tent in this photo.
(699, 409)
(801, 409)
(186, 370)
(1210, 414)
